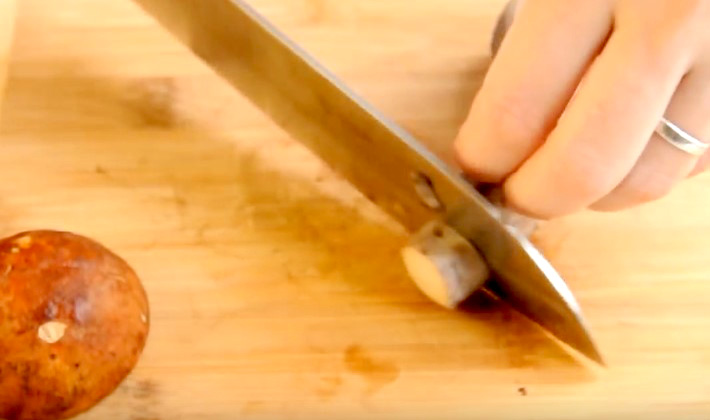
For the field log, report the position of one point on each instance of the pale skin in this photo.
(565, 118)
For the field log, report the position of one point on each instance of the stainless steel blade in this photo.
(373, 153)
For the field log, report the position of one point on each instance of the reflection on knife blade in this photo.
(374, 154)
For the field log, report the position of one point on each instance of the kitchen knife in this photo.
(379, 158)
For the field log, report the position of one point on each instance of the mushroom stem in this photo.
(444, 265)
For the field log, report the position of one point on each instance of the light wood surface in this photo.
(7, 30)
(276, 290)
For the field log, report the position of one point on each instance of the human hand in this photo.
(566, 116)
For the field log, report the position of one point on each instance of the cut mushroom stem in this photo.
(51, 332)
(444, 265)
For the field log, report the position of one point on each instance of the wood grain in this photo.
(7, 30)
(276, 290)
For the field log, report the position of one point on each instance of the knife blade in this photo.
(378, 157)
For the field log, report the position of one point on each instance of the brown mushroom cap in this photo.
(74, 319)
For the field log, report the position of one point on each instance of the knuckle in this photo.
(689, 15)
(662, 39)
(588, 173)
(500, 133)
(657, 54)
(513, 122)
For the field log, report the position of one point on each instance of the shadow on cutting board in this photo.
(333, 257)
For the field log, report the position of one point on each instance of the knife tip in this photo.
(587, 351)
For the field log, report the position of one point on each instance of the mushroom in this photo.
(73, 324)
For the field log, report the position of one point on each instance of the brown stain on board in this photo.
(145, 390)
(146, 397)
(377, 373)
(153, 102)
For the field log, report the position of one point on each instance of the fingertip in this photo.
(520, 198)
(530, 196)
(468, 152)
(608, 206)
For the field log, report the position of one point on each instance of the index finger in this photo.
(535, 72)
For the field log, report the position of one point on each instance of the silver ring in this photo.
(680, 138)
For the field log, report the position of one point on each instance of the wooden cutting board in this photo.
(276, 290)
